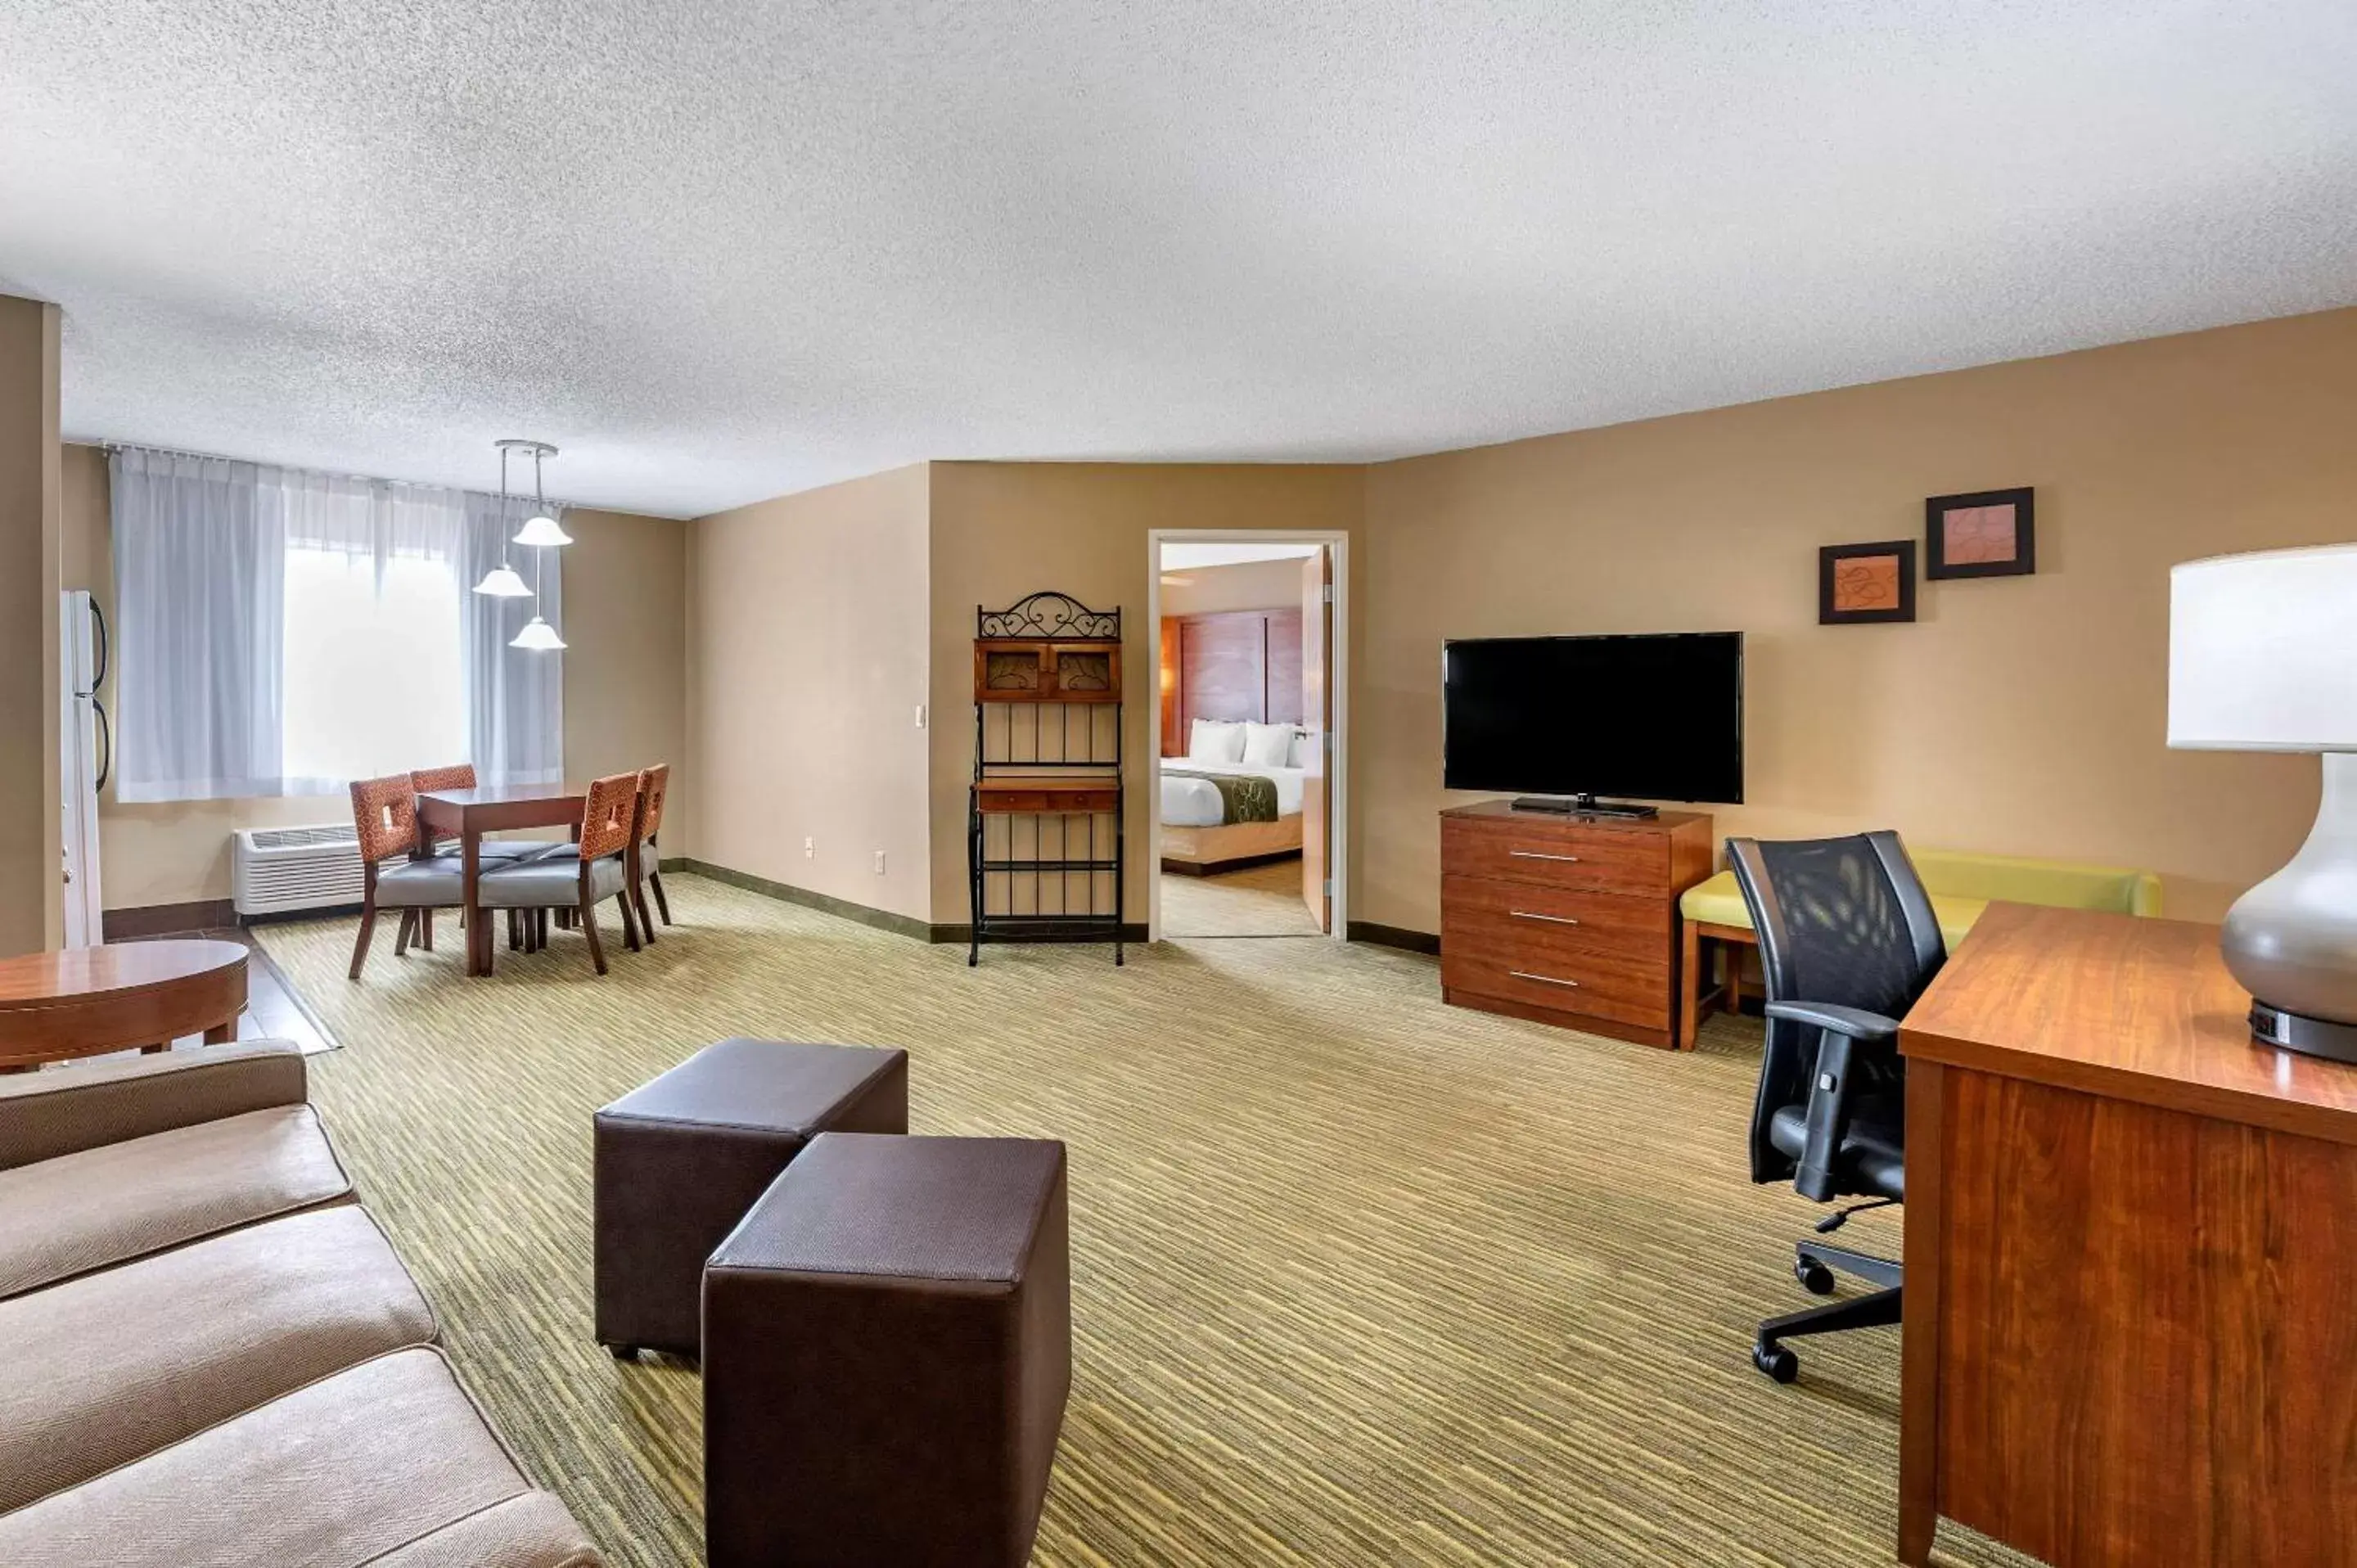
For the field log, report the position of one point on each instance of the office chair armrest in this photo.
(1869, 1028)
(1840, 1032)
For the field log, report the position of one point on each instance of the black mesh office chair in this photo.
(1848, 941)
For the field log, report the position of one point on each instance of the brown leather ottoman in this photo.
(681, 1159)
(887, 1343)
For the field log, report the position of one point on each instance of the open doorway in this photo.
(1248, 786)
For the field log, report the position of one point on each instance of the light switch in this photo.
(809, 849)
(921, 715)
(879, 862)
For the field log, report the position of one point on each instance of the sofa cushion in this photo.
(531, 1532)
(350, 1470)
(66, 1109)
(1719, 902)
(106, 1368)
(65, 1217)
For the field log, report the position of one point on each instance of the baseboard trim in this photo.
(164, 920)
(825, 903)
(1392, 936)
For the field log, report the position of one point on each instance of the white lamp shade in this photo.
(541, 528)
(2263, 652)
(501, 583)
(537, 634)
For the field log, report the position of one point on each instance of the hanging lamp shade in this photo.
(539, 635)
(501, 583)
(541, 528)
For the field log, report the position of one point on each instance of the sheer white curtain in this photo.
(199, 618)
(283, 632)
(515, 697)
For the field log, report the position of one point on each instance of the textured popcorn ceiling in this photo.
(721, 251)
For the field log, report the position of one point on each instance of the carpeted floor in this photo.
(1358, 1278)
(1257, 901)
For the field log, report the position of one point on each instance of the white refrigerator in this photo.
(86, 748)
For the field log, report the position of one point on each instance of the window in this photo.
(372, 683)
(284, 633)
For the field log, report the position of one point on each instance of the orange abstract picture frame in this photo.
(1861, 584)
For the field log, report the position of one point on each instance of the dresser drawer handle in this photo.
(1541, 854)
(1542, 979)
(1550, 920)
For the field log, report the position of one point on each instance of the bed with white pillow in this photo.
(1198, 832)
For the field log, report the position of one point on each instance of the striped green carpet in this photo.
(1358, 1278)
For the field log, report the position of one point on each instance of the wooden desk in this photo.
(468, 814)
(2131, 1309)
(89, 1000)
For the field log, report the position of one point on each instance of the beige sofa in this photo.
(213, 1355)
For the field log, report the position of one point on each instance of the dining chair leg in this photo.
(630, 921)
(589, 913)
(368, 929)
(515, 930)
(654, 880)
(401, 935)
(540, 926)
(637, 894)
(425, 930)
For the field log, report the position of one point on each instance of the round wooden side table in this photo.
(86, 1002)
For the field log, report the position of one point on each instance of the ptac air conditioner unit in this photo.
(275, 870)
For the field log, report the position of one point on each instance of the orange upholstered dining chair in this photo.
(392, 873)
(598, 870)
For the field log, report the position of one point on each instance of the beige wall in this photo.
(2022, 715)
(1243, 585)
(1003, 529)
(805, 673)
(625, 674)
(626, 653)
(32, 907)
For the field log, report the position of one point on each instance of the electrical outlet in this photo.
(879, 862)
(809, 849)
(921, 715)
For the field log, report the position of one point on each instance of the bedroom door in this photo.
(1317, 718)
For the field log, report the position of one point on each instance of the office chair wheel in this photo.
(1776, 1361)
(1815, 1277)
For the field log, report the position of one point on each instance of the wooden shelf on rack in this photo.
(1004, 793)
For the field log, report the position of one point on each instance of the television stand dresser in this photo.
(1568, 920)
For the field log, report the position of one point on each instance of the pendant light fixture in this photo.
(541, 531)
(541, 528)
(501, 582)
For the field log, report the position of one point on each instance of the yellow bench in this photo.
(1960, 885)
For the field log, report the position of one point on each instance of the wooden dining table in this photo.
(468, 814)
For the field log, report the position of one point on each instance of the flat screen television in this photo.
(1655, 717)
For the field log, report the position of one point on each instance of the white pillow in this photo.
(1268, 745)
(1297, 754)
(1214, 740)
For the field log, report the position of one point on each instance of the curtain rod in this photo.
(556, 502)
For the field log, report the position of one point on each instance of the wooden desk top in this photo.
(48, 979)
(2125, 1007)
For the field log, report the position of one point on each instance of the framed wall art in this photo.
(1988, 534)
(1860, 584)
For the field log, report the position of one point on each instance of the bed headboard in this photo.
(1235, 664)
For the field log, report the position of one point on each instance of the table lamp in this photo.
(2263, 657)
